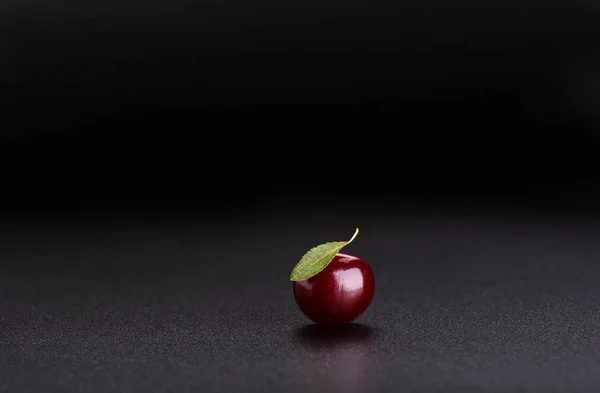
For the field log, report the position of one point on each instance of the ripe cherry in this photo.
(338, 294)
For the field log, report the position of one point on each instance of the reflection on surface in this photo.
(338, 357)
(329, 337)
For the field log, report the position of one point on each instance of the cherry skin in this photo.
(339, 294)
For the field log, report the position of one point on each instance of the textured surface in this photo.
(462, 304)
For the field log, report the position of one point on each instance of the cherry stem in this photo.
(353, 236)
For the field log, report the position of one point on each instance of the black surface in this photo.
(465, 301)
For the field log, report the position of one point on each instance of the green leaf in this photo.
(317, 259)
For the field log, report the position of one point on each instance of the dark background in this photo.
(164, 166)
(450, 102)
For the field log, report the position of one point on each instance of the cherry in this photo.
(338, 294)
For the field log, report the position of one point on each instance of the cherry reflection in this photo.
(342, 353)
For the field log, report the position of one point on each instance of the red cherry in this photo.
(339, 294)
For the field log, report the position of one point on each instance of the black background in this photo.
(461, 102)
(166, 165)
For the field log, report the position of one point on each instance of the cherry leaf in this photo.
(317, 259)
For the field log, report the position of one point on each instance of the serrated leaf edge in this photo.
(341, 244)
(333, 251)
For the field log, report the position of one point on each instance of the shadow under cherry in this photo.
(315, 336)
